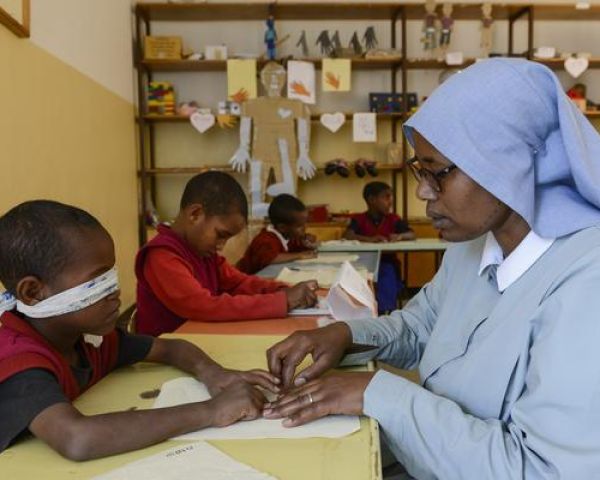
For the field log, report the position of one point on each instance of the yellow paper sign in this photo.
(336, 73)
(241, 80)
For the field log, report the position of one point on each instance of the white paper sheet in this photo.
(187, 390)
(322, 308)
(325, 275)
(191, 461)
(350, 296)
(324, 258)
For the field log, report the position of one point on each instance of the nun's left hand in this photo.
(338, 393)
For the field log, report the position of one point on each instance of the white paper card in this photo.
(545, 52)
(350, 297)
(186, 462)
(364, 127)
(454, 58)
(326, 258)
(187, 390)
(322, 308)
(301, 81)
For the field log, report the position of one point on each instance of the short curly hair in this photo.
(217, 192)
(35, 239)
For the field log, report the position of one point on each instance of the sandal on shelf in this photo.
(360, 168)
(331, 166)
(342, 169)
(371, 167)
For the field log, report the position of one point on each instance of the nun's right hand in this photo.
(326, 345)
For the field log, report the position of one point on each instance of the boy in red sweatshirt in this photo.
(181, 275)
(284, 240)
(58, 338)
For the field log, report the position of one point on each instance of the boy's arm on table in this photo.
(79, 437)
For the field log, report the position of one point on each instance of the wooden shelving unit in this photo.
(397, 14)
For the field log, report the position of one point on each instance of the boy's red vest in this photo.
(153, 318)
(386, 227)
(22, 348)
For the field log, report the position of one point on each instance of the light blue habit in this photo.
(510, 381)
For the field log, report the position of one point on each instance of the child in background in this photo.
(181, 275)
(57, 263)
(284, 240)
(378, 224)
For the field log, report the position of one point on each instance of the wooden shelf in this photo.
(187, 170)
(221, 65)
(315, 117)
(559, 63)
(283, 10)
(382, 167)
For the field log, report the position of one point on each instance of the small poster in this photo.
(364, 127)
(301, 81)
(241, 80)
(336, 74)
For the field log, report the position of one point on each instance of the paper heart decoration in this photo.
(202, 121)
(576, 66)
(284, 112)
(333, 121)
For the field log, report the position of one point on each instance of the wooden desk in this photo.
(418, 245)
(367, 259)
(353, 457)
(273, 326)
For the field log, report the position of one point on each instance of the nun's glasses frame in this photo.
(433, 179)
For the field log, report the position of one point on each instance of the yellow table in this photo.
(353, 457)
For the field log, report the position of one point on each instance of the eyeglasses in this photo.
(433, 179)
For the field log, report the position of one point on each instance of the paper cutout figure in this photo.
(271, 38)
(355, 44)
(429, 27)
(335, 41)
(268, 129)
(364, 127)
(486, 29)
(303, 44)
(301, 81)
(241, 80)
(336, 74)
(325, 43)
(370, 38)
(447, 23)
(333, 121)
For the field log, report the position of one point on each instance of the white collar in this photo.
(518, 262)
(282, 239)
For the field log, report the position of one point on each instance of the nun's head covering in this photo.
(509, 126)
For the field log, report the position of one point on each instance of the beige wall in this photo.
(64, 135)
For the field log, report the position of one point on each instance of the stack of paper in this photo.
(325, 275)
(186, 462)
(187, 390)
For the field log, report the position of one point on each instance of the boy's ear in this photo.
(30, 290)
(195, 212)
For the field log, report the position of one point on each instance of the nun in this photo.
(506, 337)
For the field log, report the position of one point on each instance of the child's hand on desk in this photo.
(239, 401)
(310, 241)
(379, 239)
(302, 295)
(223, 378)
(335, 394)
(307, 255)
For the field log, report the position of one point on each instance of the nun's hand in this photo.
(326, 345)
(335, 394)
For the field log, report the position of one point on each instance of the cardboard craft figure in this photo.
(429, 38)
(274, 141)
(446, 31)
(486, 29)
